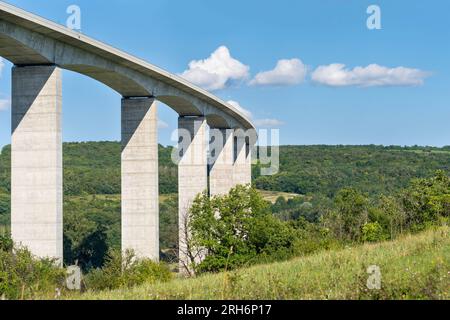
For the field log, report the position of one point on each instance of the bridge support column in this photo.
(140, 191)
(242, 168)
(221, 161)
(192, 179)
(36, 160)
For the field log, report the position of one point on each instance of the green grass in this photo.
(413, 267)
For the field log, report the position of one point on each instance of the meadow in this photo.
(412, 267)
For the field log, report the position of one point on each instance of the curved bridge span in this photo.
(39, 49)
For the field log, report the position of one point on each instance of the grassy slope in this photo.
(413, 267)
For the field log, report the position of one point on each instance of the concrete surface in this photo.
(140, 191)
(36, 160)
(221, 161)
(192, 173)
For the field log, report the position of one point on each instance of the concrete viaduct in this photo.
(39, 49)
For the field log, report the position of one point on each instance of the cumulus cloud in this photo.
(4, 104)
(237, 106)
(216, 72)
(286, 72)
(337, 75)
(268, 123)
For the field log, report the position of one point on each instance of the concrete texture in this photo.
(36, 160)
(140, 200)
(242, 168)
(221, 161)
(192, 173)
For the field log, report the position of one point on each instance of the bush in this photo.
(312, 238)
(126, 272)
(372, 232)
(6, 243)
(236, 229)
(426, 201)
(349, 215)
(22, 276)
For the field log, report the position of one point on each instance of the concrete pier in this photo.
(221, 161)
(192, 174)
(36, 160)
(140, 199)
(242, 168)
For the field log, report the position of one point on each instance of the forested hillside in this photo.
(316, 173)
(370, 169)
(94, 168)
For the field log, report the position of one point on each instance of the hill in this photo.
(413, 267)
(309, 179)
(370, 169)
(94, 168)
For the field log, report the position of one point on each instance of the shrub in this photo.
(22, 276)
(349, 215)
(372, 232)
(312, 238)
(237, 229)
(6, 243)
(426, 201)
(126, 272)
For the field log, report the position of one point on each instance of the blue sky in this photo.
(337, 83)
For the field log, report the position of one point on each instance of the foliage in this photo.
(349, 215)
(6, 243)
(340, 190)
(168, 222)
(310, 208)
(126, 271)
(372, 232)
(22, 276)
(426, 201)
(235, 228)
(94, 168)
(312, 238)
(413, 267)
(372, 170)
(91, 228)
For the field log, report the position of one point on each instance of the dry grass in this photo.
(272, 196)
(414, 267)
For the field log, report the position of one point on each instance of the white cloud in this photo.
(162, 124)
(286, 72)
(268, 123)
(336, 75)
(244, 111)
(216, 72)
(2, 64)
(4, 104)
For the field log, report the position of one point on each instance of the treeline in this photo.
(94, 168)
(373, 170)
(241, 229)
(377, 179)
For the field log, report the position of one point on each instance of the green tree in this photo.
(426, 201)
(349, 215)
(235, 229)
